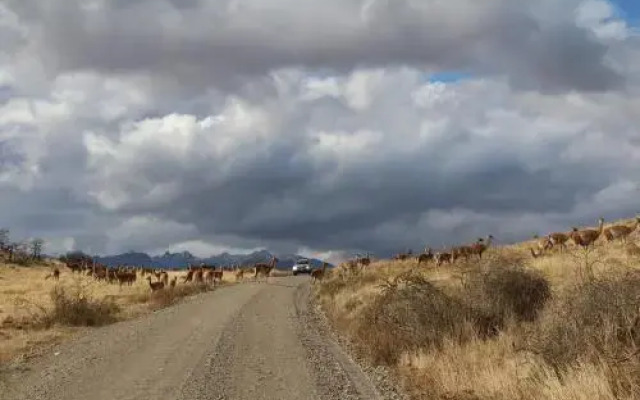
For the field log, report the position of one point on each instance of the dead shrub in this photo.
(75, 307)
(139, 298)
(413, 314)
(510, 291)
(352, 304)
(169, 296)
(332, 286)
(597, 322)
(335, 283)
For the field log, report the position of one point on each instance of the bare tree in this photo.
(36, 248)
(10, 248)
(4, 238)
(19, 252)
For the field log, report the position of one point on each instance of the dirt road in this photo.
(248, 341)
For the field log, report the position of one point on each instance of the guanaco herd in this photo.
(584, 238)
(203, 274)
(444, 256)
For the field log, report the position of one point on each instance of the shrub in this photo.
(335, 282)
(169, 296)
(511, 291)
(598, 322)
(76, 308)
(414, 314)
(332, 286)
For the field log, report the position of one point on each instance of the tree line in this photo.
(20, 252)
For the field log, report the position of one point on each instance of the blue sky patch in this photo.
(630, 10)
(448, 76)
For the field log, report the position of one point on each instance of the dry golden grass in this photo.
(465, 331)
(34, 311)
(274, 273)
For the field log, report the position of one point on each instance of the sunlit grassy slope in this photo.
(510, 326)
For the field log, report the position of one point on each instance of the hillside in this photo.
(507, 326)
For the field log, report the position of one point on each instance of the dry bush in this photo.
(597, 322)
(490, 370)
(411, 314)
(24, 261)
(169, 296)
(508, 290)
(336, 282)
(332, 286)
(75, 307)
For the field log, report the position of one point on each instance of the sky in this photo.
(628, 10)
(326, 127)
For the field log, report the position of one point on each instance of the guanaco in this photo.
(587, 237)
(218, 274)
(189, 276)
(265, 269)
(558, 239)
(403, 256)
(318, 274)
(464, 251)
(620, 231)
(481, 245)
(239, 274)
(198, 276)
(443, 257)
(543, 244)
(164, 277)
(208, 277)
(55, 274)
(155, 285)
(426, 256)
(365, 261)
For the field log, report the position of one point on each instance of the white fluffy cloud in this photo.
(234, 125)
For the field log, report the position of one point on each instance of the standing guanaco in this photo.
(318, 274)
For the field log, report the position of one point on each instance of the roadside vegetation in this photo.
(526, 321)
(39, 305)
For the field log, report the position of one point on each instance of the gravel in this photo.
(247, 341)
(379, 378)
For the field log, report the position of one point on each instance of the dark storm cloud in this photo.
(45, 212)
(211, 43)
(560, 59)
(292, 210)
(279, 193)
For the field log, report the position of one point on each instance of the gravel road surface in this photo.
(253, 340)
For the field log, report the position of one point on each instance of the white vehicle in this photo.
(302, 266)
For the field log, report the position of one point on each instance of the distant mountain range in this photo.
(181, 260)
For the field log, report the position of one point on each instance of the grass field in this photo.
(34, 311)
(510, 326)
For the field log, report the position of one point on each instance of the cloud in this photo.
(382, 163)
(204, 249)
(144, 232)
(313, 127)
(226, 41)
